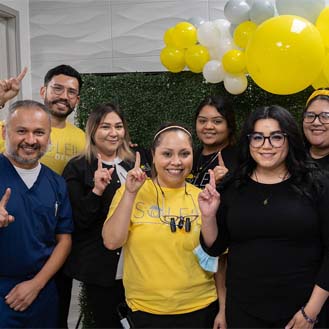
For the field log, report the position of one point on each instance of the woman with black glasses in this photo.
(316, 127)
(273, 217)
(157, 221)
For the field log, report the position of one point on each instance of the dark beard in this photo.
(55, 113)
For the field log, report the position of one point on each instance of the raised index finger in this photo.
(99, 163)
(21, 76)
(212, 181)
(220, 159)
(5, 198)
(138, 160)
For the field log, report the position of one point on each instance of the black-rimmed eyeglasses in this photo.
(309, 117)
(276, 139)
(59, 89)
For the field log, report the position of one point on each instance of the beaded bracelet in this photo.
(308, 319)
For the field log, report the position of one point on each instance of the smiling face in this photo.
(109, 136)
(173, 158)
(212, 129)
(316, 132)
(268, 157)
(27, 136)
(61, 95)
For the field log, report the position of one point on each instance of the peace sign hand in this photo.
(209, 198)
(5, 218)
(220, 171)
(102, 177)
(9, 88)
(136, 176)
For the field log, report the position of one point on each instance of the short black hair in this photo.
(65, 70)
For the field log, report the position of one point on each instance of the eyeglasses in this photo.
(59, 89)
(309, 117)
(276, 139)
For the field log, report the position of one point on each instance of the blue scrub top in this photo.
(40, 213)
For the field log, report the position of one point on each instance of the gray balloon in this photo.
(196, 21)
(261, 10)
(309, 9)
(236, 11)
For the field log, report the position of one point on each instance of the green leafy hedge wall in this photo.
(148, 99)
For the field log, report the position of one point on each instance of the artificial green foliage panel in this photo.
(148, 99)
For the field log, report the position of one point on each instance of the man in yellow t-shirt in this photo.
(61, 94)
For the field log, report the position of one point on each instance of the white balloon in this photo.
(213, 71)
(223, 25)
(309, 9)
(236, 11)
(215, 52)
(225, 45)
(208, 34)
(235, 83)
(261, 10)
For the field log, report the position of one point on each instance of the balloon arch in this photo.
(284, 47)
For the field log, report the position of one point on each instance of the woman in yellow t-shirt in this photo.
(157, 221)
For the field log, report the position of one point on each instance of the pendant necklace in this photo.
(267, 199)
(200, 169)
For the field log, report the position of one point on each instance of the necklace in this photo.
(267, 198)
(202, 168)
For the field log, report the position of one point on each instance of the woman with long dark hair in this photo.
(215, 128)
(273, 217)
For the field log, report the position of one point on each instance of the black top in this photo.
(278, 247)
(202, 163)
(90, 261)
(323, 163)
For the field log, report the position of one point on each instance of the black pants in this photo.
(103, 302)
(64, 288)
(238, 317)
(203, 318)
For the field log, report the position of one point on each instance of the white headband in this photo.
(171, 127)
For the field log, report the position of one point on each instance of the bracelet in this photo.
(308, 319)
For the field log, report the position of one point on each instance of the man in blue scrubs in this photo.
(35, 221)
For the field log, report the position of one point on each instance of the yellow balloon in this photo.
(196, 57)
(243, 33)
(184, 35)
(173, 59)
(326, 66)
(322, 24)
(168, 37)
(234, 61)
(285, 54)
(320, 82)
